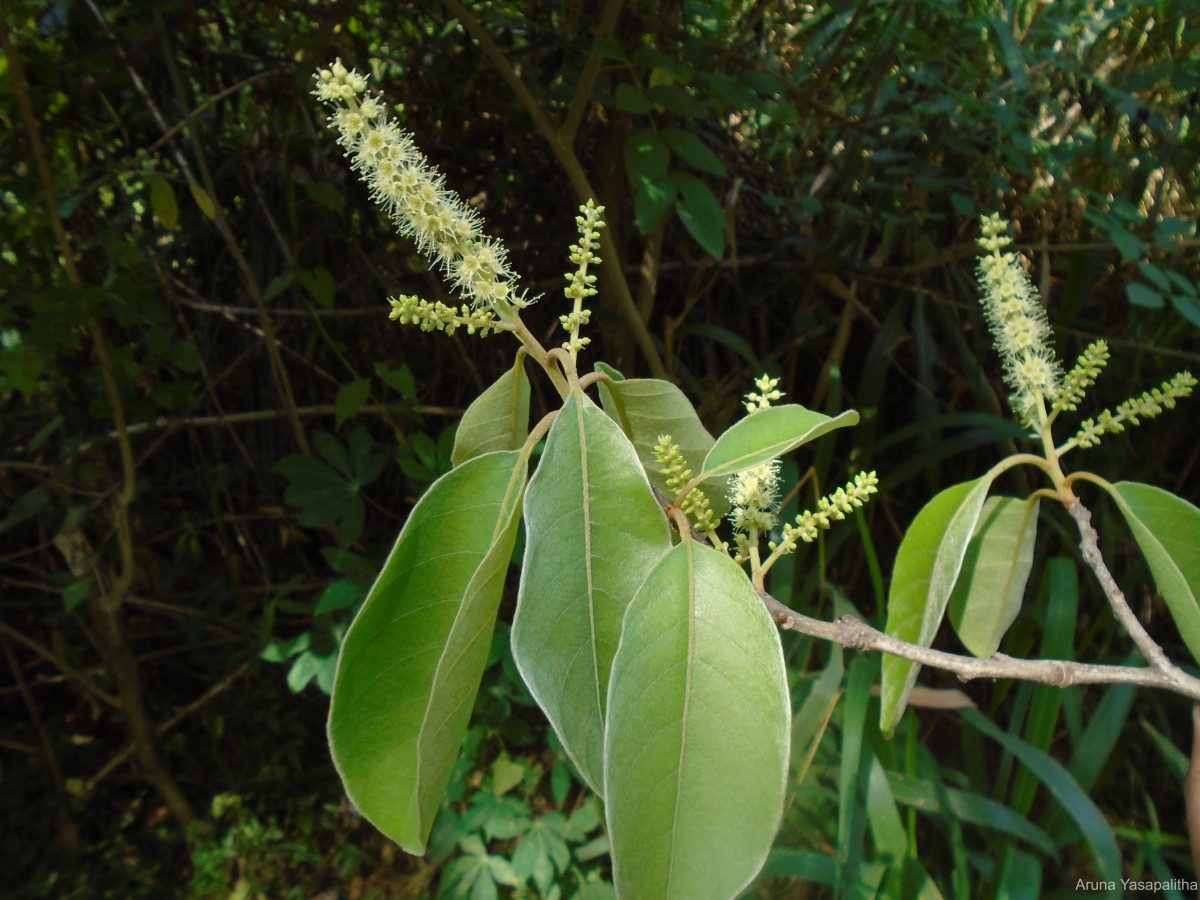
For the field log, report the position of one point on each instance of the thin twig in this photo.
(858, 635)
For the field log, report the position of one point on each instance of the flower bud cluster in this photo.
(580, 283)
(1150, 404)
(414, 193)
(1091, 362)
(675, 470)
(438, 316)
(1019, 325)
(834, 507)
(767, 393)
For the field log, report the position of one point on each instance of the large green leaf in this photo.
(593, 532)
(767, 434)
(926, 569)
(1167, 529)
(696, 751)
(498, 419)
(988, 595)
(411, 663)
(647, 408)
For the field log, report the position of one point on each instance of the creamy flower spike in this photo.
(415, 196)
(1019, 325)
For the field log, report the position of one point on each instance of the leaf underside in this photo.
(927, 566)
(411, 663)
(1167, 529)
(593, 531)
(697, 747)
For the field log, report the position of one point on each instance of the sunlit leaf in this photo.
(411, 663)
(696, 752)
(647, 408)
(991, 586)
(767, 434)
(593, 532)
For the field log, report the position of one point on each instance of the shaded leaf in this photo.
(653, 201)
(593, 530)
(632, 100)
(498, 419)
(350, 398)
(767, 434)
(696, 752)
(693, 151)
(1167, 529)
(926, 569)
(162, 201)
(991, 586)
(646, 155)
(701, 213)
(411, 663)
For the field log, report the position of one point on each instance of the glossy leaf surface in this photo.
(498, 419)
(991, 586)
(767, 434)
(1167, 529)
(593, 531)
(696, 752)
(927, 566)
(411, 663)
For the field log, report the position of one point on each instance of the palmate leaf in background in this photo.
(498, 419)
(1167, 529)
(699, 720)
(328, 492)
(647, 408)
(411, 663)
(927, 566)
(767, 434)
(593, 531)
(991, 586)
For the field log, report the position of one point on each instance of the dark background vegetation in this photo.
(211, 434)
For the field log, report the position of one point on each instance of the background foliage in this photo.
(793, 188)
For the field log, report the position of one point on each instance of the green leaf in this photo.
(701, 213)
(1143, 295)
(592, 531)
(646, 408)
(988, 595)
(400, 380)
(677, 100)
(326, 194)
(632, 100)
(411, 663)
(341, 594)
(646, 155)
(498, 419)
(696, 752)
(653, 201)
(319, 284)
(205, 202)
(350, 398)
(1166, 529)
(767, 434)
(926, 569)
(162, 201)
(693, 151)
